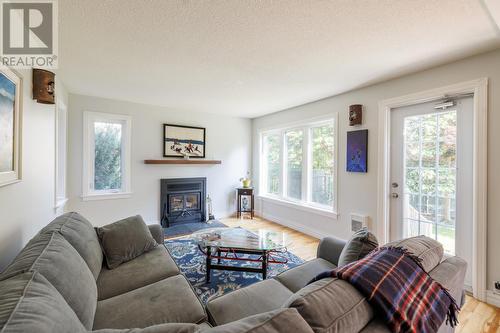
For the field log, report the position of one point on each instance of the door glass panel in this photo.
(430, 177)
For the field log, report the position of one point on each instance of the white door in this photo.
(431, 175)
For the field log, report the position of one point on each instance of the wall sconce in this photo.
(44, 86)
(355, 114)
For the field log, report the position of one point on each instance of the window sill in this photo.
(300, 206)
(106, 196)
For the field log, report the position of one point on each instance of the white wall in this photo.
(358, 192)
(27, 206)
(227, 139)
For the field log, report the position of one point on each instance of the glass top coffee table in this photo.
(230, 243)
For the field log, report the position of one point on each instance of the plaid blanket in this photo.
(395, 284)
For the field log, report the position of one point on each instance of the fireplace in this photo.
(182, 200)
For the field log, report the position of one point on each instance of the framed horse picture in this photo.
(10, 126)
(183, 141)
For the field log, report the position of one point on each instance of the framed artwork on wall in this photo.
(10, 126)
(183, 141)
(357, 151)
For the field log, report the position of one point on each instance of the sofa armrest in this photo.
(280, 320)
(329, 248)
(157, 232)
(161, 328)
(451, 274)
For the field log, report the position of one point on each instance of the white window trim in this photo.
(88, 159)
(281, 198)
(60, 201)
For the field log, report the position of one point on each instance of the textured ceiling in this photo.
(249, 58)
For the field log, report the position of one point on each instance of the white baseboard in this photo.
(296, 226)
(493, 298)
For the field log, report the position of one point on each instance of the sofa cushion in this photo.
(161, 328)
(167, 301)
(257, 298)
(358, 246)
(64, 268)
(277, 321)
(125, 240)
(151, 267)
(427, 249)
(81, 235)
(30, 304)
(298, 277)
(331, 305)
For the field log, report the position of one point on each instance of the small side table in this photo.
(245, 201)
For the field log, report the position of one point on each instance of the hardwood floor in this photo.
(475, 316)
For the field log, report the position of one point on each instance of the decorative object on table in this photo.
(246, 181)
(192, 263)
(357, 151)
(44, 86)
(211, 236)
(355, 114)
(210, 209)
(183, 141)
(245, 201)
(10, 126)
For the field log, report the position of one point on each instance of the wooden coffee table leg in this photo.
(209, 263)
(264, 265)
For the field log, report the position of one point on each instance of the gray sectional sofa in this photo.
(332, 305)
(58, 283)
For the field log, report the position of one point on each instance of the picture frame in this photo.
(10, 126)
(357, 151)
(246, 203)
(183, 141)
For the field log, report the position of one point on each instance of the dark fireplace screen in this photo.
(182, 200)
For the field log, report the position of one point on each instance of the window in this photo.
(106, 156)
(294, 159)
(298, 165)
(61, 126)
(271, 145)
(322, 164)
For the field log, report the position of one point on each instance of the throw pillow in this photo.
(125, 240)
(360, 244)
(428, 250)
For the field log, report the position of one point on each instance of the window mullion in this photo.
(283, 168)
(306, 165)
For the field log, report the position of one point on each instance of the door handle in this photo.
(394, 195)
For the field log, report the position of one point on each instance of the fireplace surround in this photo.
(182, 200)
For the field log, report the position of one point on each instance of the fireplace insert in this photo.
(183, 200)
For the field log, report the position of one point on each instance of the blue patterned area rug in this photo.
(192, 263)
(182, 229)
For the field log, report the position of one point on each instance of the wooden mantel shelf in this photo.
(183, 161)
